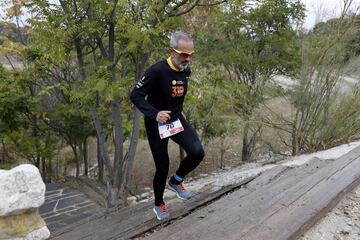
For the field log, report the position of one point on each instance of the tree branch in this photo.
(197, 3)
(10, 62)
(179, 5)
(185, 11)
(211, 4)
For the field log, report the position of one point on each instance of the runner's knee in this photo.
(198, 151)
(162, 170)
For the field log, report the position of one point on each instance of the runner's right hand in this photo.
(163, 116)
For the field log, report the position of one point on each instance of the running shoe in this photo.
(161, 212)
(180, 190)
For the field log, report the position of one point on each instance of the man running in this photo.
(165, 85)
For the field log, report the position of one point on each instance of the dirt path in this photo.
(342, 223)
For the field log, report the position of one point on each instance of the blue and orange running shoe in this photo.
(180, 190)
(161, 212)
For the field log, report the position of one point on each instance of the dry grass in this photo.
(144, 167)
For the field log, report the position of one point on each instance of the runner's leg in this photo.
(190, 142)
(161, 158)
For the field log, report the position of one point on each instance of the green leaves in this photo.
(14, 102)
(258, 39)
(207, 102)
(252, 43)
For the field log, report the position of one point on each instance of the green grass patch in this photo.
(6, 166)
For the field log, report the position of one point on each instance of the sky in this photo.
(316, 10)
(321, 10)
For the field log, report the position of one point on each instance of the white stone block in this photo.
(40, 234)
(21, 189)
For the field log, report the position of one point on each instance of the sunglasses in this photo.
(183, 54)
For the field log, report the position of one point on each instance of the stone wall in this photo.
(22, 192)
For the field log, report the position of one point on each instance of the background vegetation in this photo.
(261, 85)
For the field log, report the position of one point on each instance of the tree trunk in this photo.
(74, 148)
(85, 156)
(119, 139)
(118, 160)
(135, 131)
(100, 161)
(294, 139)
(4, 155)
(37, 162)
(222, 153)
(43, 167)
(99, 157)
(102, 145)
(80, 57)
(132, 149)
(57, 167)
(249, 141)
(109, 174)
(245, 154)
(50, 171)
(81, 155)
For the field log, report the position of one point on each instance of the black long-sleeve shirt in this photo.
(165, 88)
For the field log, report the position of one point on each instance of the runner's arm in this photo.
(141, 90)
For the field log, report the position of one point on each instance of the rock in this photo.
(28, 225)
(42, 233)
(22, 192)
(145, 195)
(132, 200)
(21, 189)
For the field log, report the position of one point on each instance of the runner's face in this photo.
(180, 55)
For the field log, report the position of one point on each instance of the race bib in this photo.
(170, 128)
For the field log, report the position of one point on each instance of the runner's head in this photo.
(181, 49)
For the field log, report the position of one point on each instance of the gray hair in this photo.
(177, 36)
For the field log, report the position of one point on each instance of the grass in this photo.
(7, 166)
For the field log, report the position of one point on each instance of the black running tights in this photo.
(187, 139)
